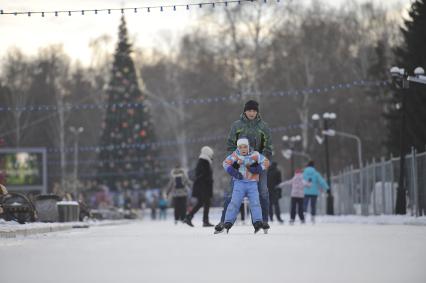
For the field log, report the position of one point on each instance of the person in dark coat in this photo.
(203, 186)
(274, 179)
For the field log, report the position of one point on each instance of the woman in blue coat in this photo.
(318, 184)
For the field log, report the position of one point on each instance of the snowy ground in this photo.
(147, 251)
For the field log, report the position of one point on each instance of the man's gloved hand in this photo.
(236, 165)
(255, 168)
(234, 173)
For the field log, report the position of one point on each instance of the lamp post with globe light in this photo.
(323, 122)
(401, 82)
(290, 142)
(76, 132)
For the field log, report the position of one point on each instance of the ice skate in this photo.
(257, 226)
(265, 227)
(219, 228)
(227, 226)
(207, 224)
(188, 221)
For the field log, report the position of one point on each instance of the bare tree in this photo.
(17, 71)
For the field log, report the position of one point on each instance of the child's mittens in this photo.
(234, 173)
(255, 168)
(236, 165)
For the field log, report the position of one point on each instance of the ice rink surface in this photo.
(148, 251)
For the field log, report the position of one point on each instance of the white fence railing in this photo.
(372, 190)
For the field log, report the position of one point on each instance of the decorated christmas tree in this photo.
(127, 157)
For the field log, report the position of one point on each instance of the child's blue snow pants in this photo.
(241, 189)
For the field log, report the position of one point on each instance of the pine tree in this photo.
(411, 54)
(127, 158)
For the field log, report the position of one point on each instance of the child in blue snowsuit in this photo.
(244, 167)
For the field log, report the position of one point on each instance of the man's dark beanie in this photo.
(251, 105)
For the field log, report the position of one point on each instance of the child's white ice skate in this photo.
(265, 227)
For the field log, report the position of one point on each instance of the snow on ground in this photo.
(148, 251)
(8, 226)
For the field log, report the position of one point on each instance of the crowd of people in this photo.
(252, 176)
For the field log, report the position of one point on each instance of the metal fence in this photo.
(372, 190)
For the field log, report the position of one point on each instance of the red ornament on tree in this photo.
(142, 133)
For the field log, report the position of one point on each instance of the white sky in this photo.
(147, 30)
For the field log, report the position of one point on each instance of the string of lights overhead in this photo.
(195, 101)
(162, 143)
(148, 9)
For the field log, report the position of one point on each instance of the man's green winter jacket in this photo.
(256, 131)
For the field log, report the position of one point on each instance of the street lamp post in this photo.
(332, 133)
(287, 154)
(291, 144)
(326, 118)
(401, 81)
(76, 132)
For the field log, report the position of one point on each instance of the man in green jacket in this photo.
(251, 126)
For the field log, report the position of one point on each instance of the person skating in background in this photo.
(154, 206)
(298, 185)
(274, 179)
(202, 189)
(317, 185)
(178, 188)
(244, 166)
(162, 205)
(251, 126)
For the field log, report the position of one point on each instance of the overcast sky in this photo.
(74, 33)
